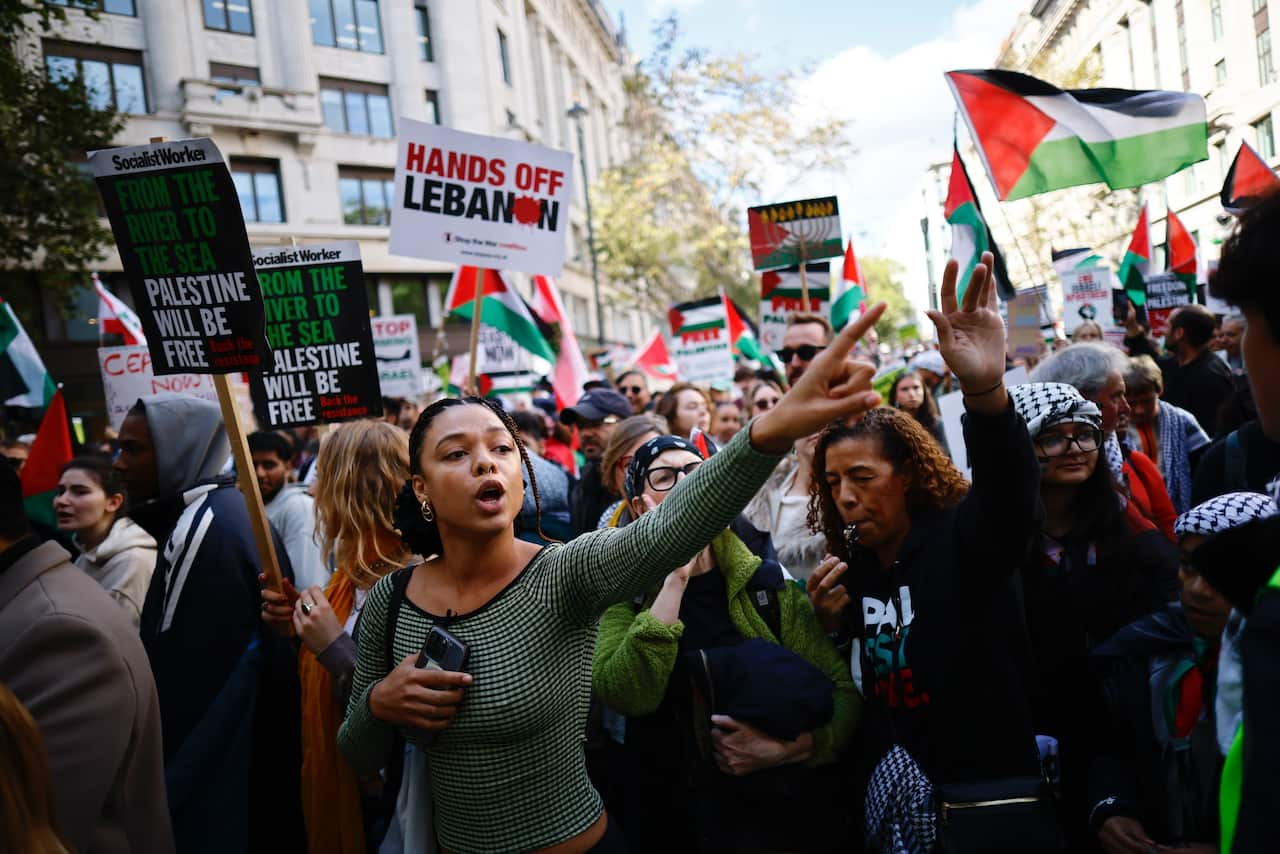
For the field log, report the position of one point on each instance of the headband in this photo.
(644, 456)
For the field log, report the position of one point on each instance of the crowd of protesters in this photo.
(772, 617)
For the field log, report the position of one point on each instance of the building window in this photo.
(1266, 73)
(1220, 72)
(1215, 18)
(1265, 137)
(1189, 184)
(237, 76)
(504, 57)
(1184, 65)
(112, 77)
(351, 106)
(1220, 150)
(1259, 6)
(424, 31)
(348, 24)
(233, 16)
(433, 106)
(258, 186)
(366, 195)
(111, 7)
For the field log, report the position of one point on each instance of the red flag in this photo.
(50, 451)
(654, 359)
(1248, 179)
(1182, 249)
(570, 370)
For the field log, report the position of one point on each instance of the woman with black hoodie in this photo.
(920, 581)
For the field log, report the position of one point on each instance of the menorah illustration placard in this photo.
(791, 233)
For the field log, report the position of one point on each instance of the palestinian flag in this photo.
(1182, 253)
(116, 318)
(23, 378)
(50, 451)
(701, 320)
(970, 236)
(1066, 260)
(1035, 137)
(654, 359)
(742, 332)
(500, 307)
(570, 371)
(851, 293)
(508, 382)
(1136, 265)
(1248, 179)
(783, 291)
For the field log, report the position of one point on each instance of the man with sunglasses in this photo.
(595, 415)
(634, 385)
(807, 335)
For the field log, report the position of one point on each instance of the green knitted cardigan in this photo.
(635, 653)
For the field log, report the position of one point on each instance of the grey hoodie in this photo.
(189, 439)
(122, 564)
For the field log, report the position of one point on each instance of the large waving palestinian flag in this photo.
(500, 307)
(1247, 180)
(1035, 137)
(970, 236)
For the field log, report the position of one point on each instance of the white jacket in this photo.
(122, 564)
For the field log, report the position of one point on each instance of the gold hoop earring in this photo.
(428, 515)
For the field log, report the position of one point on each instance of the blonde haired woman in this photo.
(26, 789)
(359, 470)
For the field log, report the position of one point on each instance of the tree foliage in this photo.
(49, 216)
(884, 284)
(707, 135)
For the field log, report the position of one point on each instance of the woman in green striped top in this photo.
(507, 765)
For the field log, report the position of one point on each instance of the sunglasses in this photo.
(806, 352)
(631, 389)
(766, 403)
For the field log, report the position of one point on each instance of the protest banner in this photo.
(782, 296)
(700, 341)
(1165, 292)
(177, 222)
(127, 376)
(1025, 338)
(477, 200)
(791, 233)
(317, 311)
(395, 347)
(1086, 296)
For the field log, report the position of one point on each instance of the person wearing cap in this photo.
(1096, 565)
(715, 609)
(1153, 780)
(594, 415)
(931, 367)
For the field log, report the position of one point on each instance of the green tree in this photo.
(706, 132)
(49, 216)
(884, 282)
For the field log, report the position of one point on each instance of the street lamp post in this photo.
(577, 112)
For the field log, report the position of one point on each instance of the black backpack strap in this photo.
(399, 592)
(1235, 464)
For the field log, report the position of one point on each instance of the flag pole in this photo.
(472, 381)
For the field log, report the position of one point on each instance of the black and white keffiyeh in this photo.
(901, 813)
(1223, 512)
(1042, 405)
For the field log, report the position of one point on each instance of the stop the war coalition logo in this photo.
(480, 200)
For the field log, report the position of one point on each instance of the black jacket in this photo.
(1201, 386)
(1244, 460)
(946, 680)
(1141, 771)
(589, 500)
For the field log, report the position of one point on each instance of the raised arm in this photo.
(599, 569)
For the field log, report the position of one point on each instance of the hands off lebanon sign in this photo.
(479, 200)
(177, 222)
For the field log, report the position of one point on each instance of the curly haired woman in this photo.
(921, 582)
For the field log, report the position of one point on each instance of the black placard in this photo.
(177, 222)
(317, 311)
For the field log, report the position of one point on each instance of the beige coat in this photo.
(73, 658)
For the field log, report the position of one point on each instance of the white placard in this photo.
(479, 200)
(1086, 296)
(127, 376)
(951, 407)
(395, 345)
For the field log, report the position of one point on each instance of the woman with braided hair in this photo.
(505, 749)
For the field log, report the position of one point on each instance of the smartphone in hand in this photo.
(442, 651)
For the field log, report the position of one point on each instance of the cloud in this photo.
(902, 112)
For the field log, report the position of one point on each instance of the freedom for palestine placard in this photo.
(323, 367)
(479, 201)
(177, 222)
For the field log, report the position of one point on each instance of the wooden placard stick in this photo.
(473, 381)
(804, 282)
(247, 480)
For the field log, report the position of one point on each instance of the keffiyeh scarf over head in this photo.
(1043, 405)
(1224, 512)
(633, 483)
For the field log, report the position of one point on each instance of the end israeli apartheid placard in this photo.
(478, 200)
(781, 296)
(323, 367)
(177, 222)
(395, 342)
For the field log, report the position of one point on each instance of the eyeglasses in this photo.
(1055, 445)
(663, 478)
(631, 389)
(764, 404)
(806, 352)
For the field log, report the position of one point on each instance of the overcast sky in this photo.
(879, 64)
